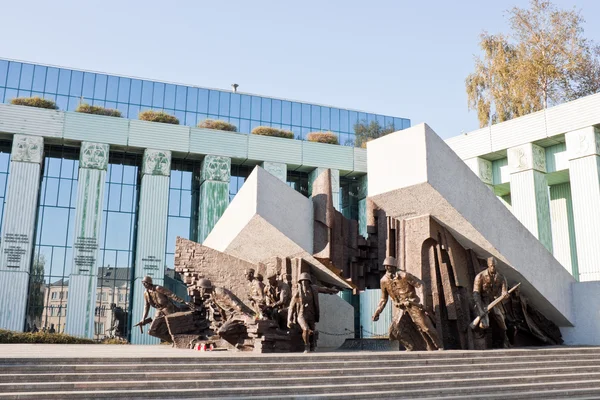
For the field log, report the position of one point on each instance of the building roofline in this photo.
(194, 86)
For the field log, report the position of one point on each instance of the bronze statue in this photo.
(489, 286)
(165, 302)
(304, 309)
(400, 286)
(278, 296)
(256, 292)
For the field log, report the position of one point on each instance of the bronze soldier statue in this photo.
(304, 309)
(278, 295)
(400, 286)
(490, 285)
(165, 302)
(256, 292)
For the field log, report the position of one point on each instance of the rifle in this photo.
(142, 323)
(492, 305)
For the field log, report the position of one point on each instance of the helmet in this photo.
(305, 276)
(249, 271)
(147, 279)
(205, 283)
(390, 261)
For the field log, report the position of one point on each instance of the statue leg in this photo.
(498, 314)
(426, 328)
(306, 332)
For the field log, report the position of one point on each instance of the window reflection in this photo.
(64, 81)
(180, 97)
(169, 96)
(52, 260)
(3, 72)
(14, 73)
(76, 83)
(239, 173)
(26, 78)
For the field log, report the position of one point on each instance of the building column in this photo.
(529, 190)
(362, 205)
(214, 192)
(583, 149)
(151, 233)
(335, 184)
(279, 170)
(18, 229)
(81, 304)
(483, 169)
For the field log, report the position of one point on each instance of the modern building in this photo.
(83, 195)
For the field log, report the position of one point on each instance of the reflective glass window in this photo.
(169, 96)
(180, 97)
(191, 119)
(244, 126)
(192, 100)
(76, 83)
(224, 99)
(62, 102)
(64, 81)
(14, 73)
(3, 72)
(10, 94)
(306, 115)
(276, 111)
(100, 87)
(245, 106)
(26, 77)
(89, 81)
(124, 85)
(398, 123)
(39, 78)
(325, 123)
(239, 173)
(135, 91)
(24, 93)
(388, 121)
(266, 110)
(73, 103)
(147, 89)
(335, 119)
(405, 123)
(353, 119)
(380, 119)
(124, 108)
(133, 111)
(344, 127)
(315, 117)
(286, 112)
(203, 101)
(112, 88)
(255, 108)
(2, 90)
(234, 105)
(296, 114)
(51, 80)
(213, 102)
(298, 181)
(53, 255)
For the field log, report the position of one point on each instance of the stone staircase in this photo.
(542, 373)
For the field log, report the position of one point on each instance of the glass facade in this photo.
(189, 104)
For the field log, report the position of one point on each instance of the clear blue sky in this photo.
(396, 57)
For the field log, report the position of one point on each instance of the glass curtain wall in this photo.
(189, 104)
(117, 243)
(53, 253)
(239, 174)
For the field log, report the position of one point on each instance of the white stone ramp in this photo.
(267, 218)
(413, 172)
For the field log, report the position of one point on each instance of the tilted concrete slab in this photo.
(267, 218)
(413, 172)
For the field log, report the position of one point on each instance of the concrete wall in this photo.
(586, 304)
(337, 318)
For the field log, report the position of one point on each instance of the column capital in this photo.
(156, 162)
(216, 168)
(583, 142)
(94, 156)
(277, 169)
(27, 148)
(526, 157)
(482, 168)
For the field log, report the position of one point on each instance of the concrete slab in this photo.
(413, 172)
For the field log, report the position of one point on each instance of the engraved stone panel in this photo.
(277, 169)
(583, 142)
(27, 148)
(156, 162)
(525, 157)
(216, 168)
(94, 155)
(482, 168)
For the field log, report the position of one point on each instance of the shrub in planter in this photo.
(34, 102)
(268, 131)
(323, 137)
(216, 124)
(87, 109)
(158, 116)
(40, 337)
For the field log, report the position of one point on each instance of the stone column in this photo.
(151, 233)
(18, 229)
(81, 304)
(483, 169)
(214, 192)
(335, 184)
(529, 190)
(277, 169)
(583, 149)
(362, 205)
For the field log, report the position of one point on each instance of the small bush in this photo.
(216, 124)
(34, 102)
(114, 340)
(158, 116)
(87, 109)
(268, 131)
(323, 137)
(41, 337)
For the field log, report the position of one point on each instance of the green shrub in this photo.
(87, 109)
(323, 137)
(34, 102)
(41, 337)
(158, 116)
(268, 131)
(216, 124)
